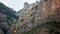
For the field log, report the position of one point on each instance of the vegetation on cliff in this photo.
(52, 26)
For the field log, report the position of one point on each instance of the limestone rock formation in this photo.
(39, 12)
(32, 16)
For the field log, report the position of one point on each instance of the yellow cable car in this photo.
(14, 30)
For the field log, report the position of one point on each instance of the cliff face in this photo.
(34, 16)
(7, 18)
(38, 13)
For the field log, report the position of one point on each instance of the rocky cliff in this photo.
(41, 17)
(38, 13)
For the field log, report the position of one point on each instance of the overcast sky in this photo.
(16, 4)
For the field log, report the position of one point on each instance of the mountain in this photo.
(42, 14)
(7, 17)
(51, 13)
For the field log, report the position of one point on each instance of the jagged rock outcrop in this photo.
(25, 8)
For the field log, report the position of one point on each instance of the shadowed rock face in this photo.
(7, 17)
(1, 32)
(57, 14)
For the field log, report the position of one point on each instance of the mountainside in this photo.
(41, 17)
(39, 13)
(7, 17)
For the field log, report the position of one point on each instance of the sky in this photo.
(16, 4)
